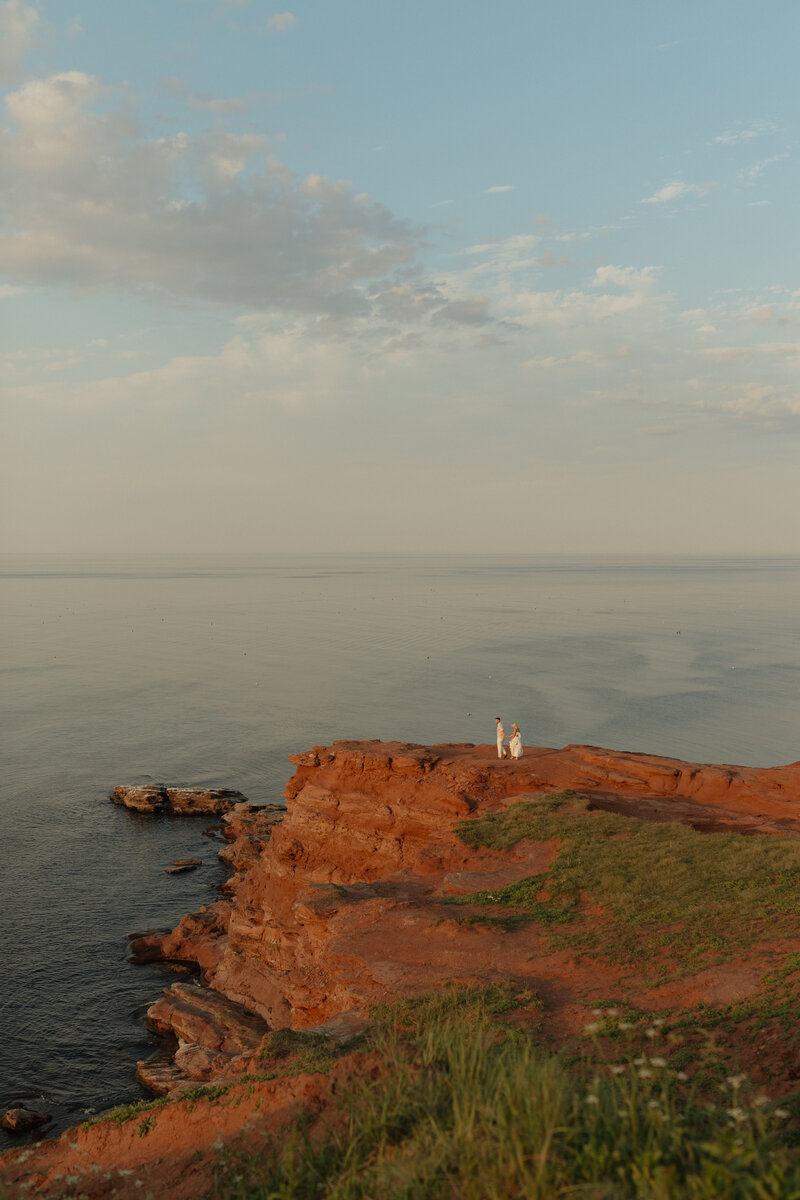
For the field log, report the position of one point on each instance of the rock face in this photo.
(177, 802)
(337, 903)
(214, 1035)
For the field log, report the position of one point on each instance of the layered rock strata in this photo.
(338, 902)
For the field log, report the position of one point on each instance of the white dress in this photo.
(515, 745)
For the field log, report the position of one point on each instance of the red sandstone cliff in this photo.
(338, 903)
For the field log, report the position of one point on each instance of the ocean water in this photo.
(210, 670)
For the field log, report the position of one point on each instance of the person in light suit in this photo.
(501, 739)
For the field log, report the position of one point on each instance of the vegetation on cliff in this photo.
(468, 1103)
(662, 897)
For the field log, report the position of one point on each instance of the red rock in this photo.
(178, 802)
(182, 865)
(20, 1120)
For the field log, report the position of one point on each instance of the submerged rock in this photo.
(20, 1120)
(184, 864)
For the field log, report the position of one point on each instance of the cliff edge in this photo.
(396, 868)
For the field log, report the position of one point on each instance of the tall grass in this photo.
(463, 1110)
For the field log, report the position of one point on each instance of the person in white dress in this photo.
(515, 745)
(501, 737)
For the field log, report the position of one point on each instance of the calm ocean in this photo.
(210, 670)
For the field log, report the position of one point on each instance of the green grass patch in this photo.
(463, 1111)
(670, 896)
(294, 1052)
(127, 1112)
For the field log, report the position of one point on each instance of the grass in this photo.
(466, 1109)
(667, 894)
(293, 1052)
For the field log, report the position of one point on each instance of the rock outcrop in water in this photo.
(177, 802)
(341, 900)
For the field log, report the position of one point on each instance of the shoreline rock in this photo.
(176, 802)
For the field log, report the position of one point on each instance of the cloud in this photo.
(205, 101)
(616, 292)
(744, 134)
(749, 175)
(658, 430)
(499, 187)
(677, 189)
(20, 25)
(553, 260)
(441, 203)
(473, 311)
(763, 404)
(86, 200)
(282, 22)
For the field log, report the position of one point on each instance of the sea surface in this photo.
(212, 669)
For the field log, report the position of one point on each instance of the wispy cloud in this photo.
(499, 187)
(19, 27)
(282, 22)
(750, 175)
(745, 133)
(677, 189)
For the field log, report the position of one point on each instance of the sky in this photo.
(430, 277)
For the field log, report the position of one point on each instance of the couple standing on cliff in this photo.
(514, 742)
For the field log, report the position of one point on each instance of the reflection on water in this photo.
(210, 670)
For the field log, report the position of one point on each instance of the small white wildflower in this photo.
(617, 1069)
(645, 1073)
(651, 1033)
(761, 1100)
(657, 1021)
(592, 1027)
(780, 1113)
(682, 1076)
(598, 1012)
(592, 1099)
(658, 1062)
(625, 1025)
(735, 1081)
(652, 1104)
(736, 1114)
(639, 1062)
(125, 1172)
(612, 1012)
